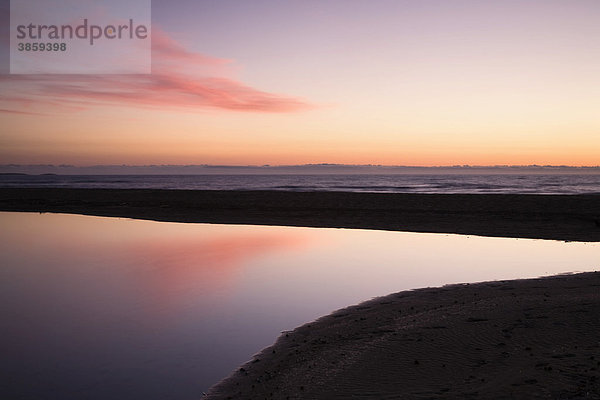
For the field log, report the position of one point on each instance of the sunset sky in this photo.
(413, 82)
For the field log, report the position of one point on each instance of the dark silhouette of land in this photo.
(559, 217)
(303, 169)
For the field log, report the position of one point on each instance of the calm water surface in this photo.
(100, 308)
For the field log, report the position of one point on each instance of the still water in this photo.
(101, 308)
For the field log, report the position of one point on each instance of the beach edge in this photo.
(553, 217)
(385, 346)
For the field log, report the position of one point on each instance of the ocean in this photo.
(450, 183)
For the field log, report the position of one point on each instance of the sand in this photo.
(560, 217)
(522, 339)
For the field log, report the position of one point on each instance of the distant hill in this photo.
(307, 169)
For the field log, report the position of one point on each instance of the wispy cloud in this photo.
(170, 86)
(169, 51)
(8, 111)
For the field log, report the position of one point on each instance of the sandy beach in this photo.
(559, 217)
(521, 339)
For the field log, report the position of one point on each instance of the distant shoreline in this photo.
(558, 217)
(300, 169)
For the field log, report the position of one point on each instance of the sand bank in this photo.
(521, 339)
(560, 217)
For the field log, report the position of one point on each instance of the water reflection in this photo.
(113, 308)
(202, 266)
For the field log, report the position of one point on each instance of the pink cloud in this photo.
(168, 87)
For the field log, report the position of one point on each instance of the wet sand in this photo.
(560, 217)
(522, 339)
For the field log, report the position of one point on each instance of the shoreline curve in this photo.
(523, 339)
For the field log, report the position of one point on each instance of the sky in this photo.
(404, 82)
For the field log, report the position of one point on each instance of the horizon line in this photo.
(453, 166)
